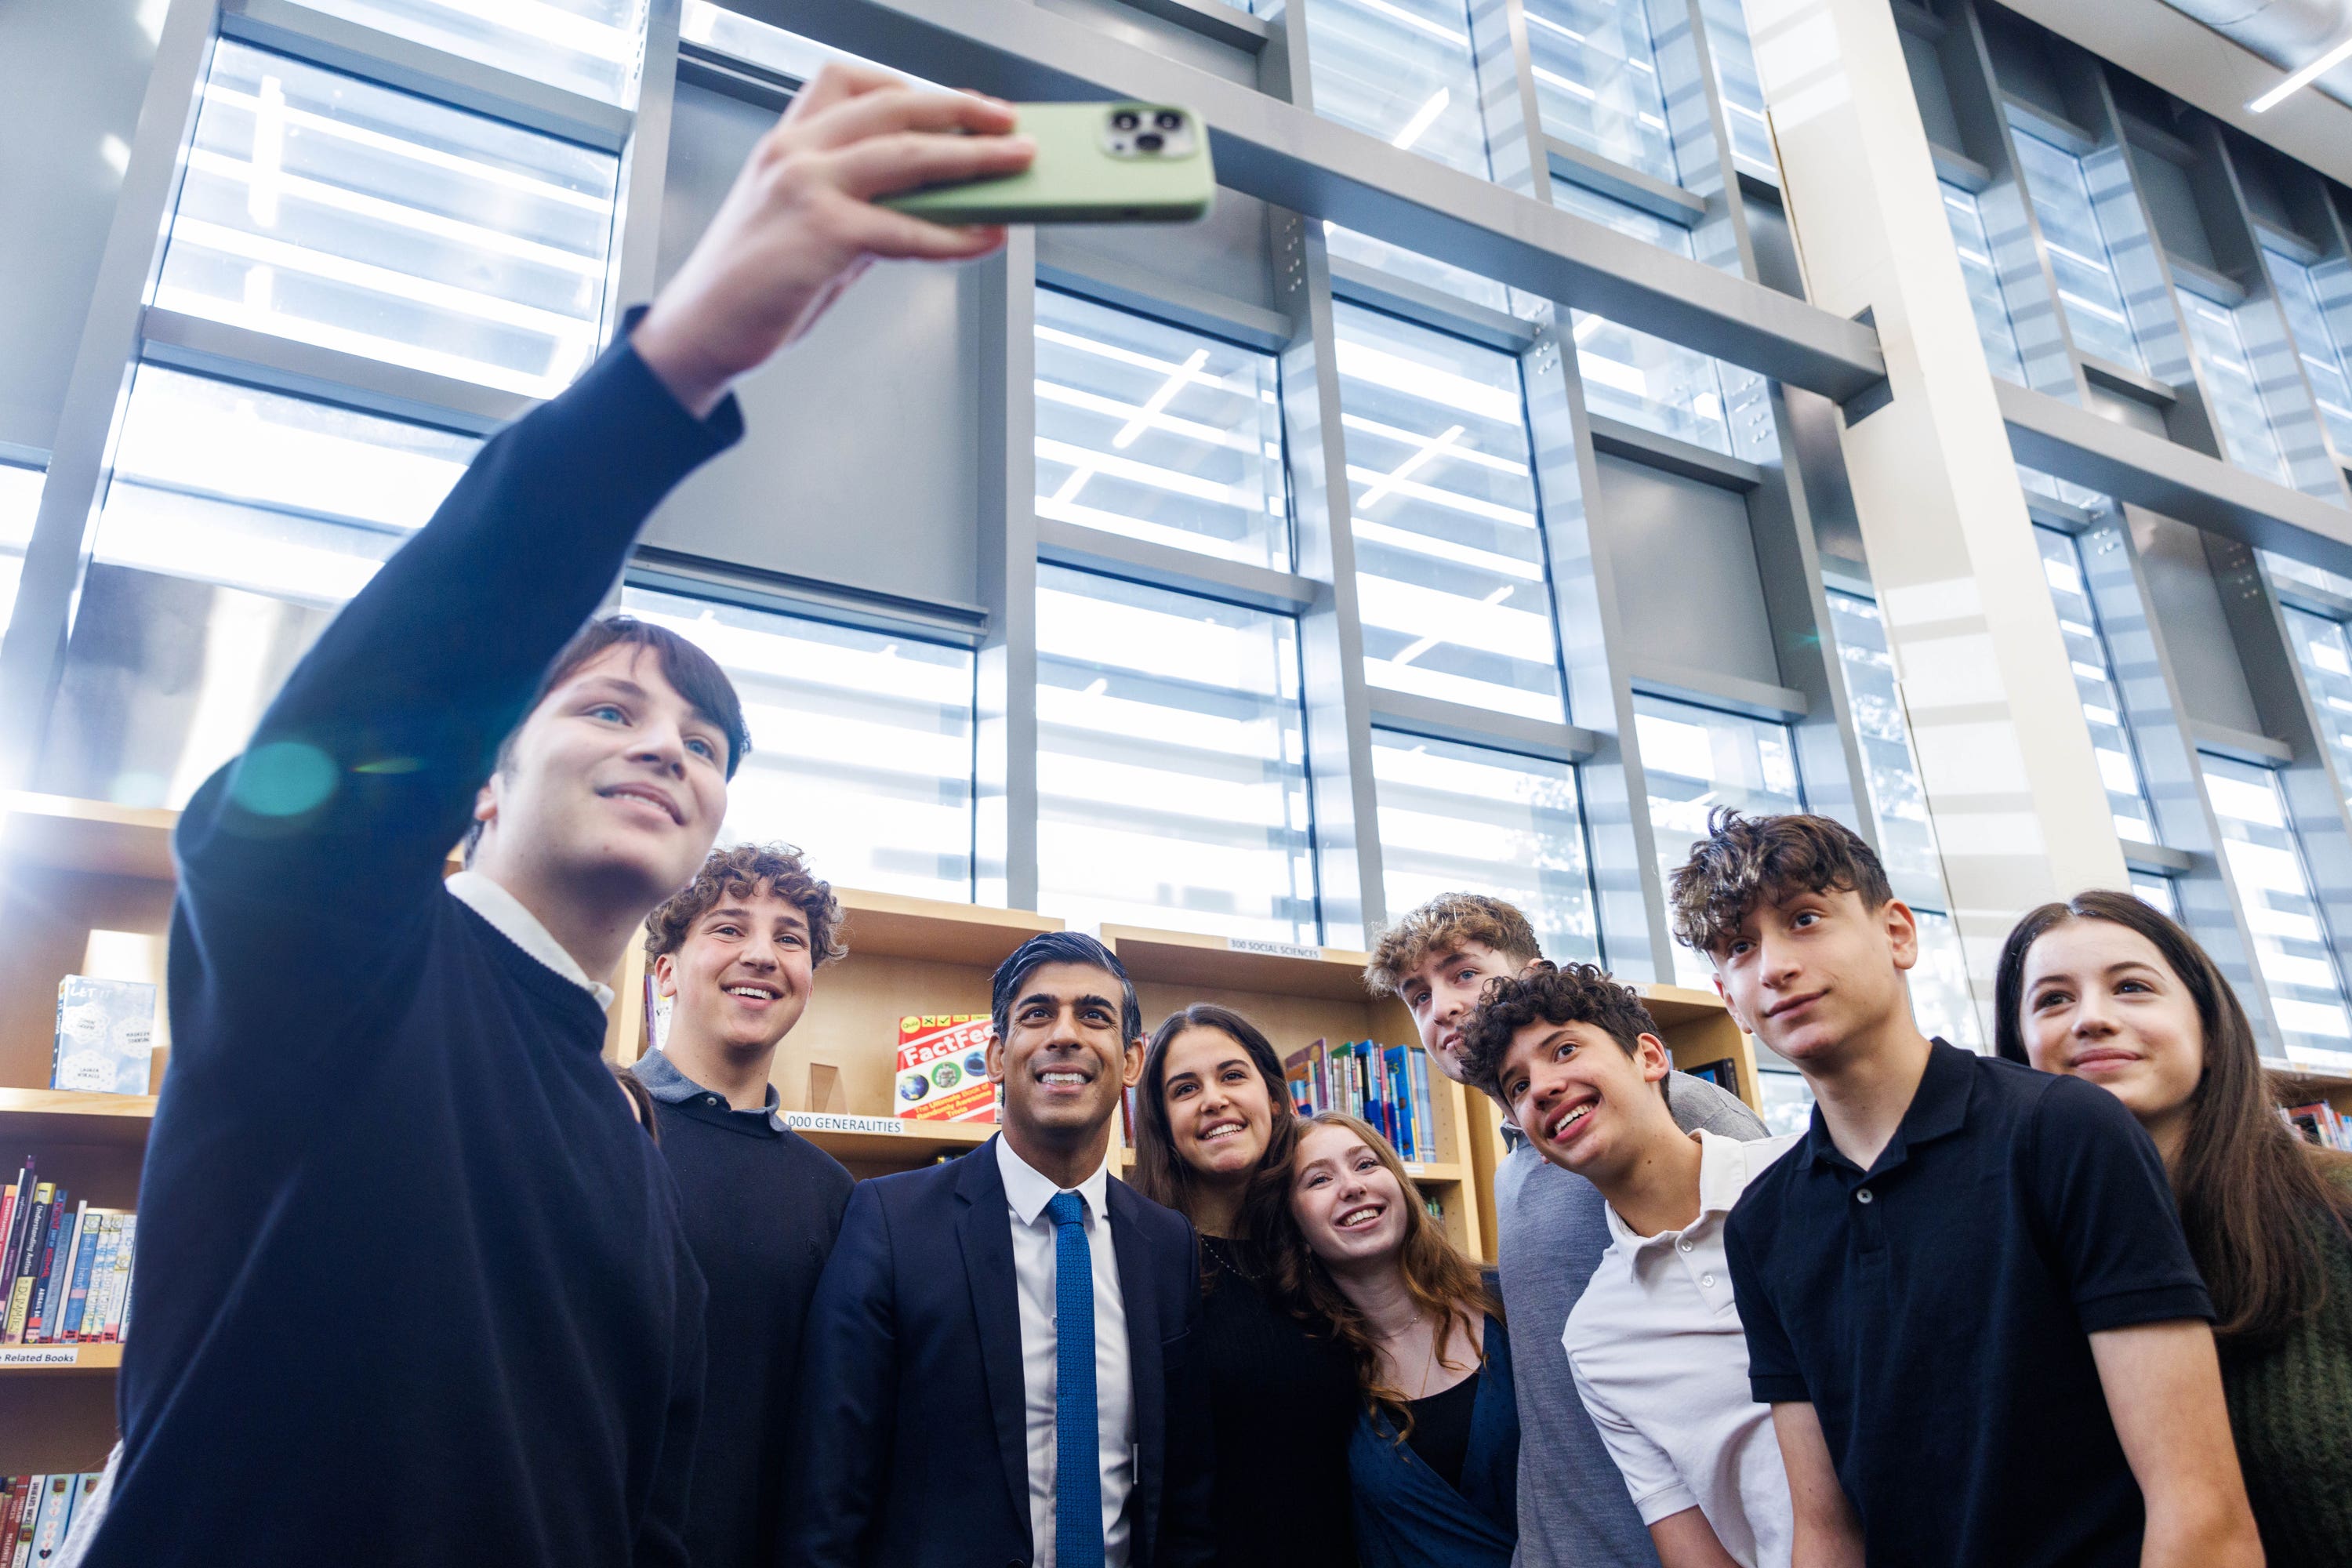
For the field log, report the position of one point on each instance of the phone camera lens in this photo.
(1126, 119)
(1150, 142)
(1168, 120)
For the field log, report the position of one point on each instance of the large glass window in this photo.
(2321, 325)
(20, 502)
(861, 742)
(589, 47)
(1457, 818)
(2264, 861)
(2081, 252)
(2326, 658)
(1696, 758)
(1906, 840)
(1402, 70)
(2095, 685)
(320, 207)
(1449, 550)
(246, 489)
(1171, 774)
(1153, 432)
(1347, 244)
(1597, 84)
(1734, 55)
(2239, 411)
(1995, 328)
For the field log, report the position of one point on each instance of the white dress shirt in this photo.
(511, 921)
(1662, 1363)
(1026, 1193)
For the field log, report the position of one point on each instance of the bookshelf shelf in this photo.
(58, 1361)
(64, 1116)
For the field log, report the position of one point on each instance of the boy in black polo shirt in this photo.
(1966, 1292)
(737, 955)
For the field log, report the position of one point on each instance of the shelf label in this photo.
(37, 1356)
(835, 1122)
(1415, 1168)
(1272, 949)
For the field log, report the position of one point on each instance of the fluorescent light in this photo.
(1158, 399)
(1424, 118)
(1405, 470)
(2304, 77)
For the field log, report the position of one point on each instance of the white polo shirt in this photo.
(1661, 1365)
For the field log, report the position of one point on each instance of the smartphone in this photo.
(1096, 162)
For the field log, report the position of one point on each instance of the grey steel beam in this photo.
(1688, 459)
(1063, 543)
(645, 170)
(1624, 182)
(1212, 19)
(1131, 287)
(2240, 745)
(2156, 860)
(1283, 154)
(1348, 873)
(396, 62)
(1431, 307)
(2162, 738)
(308, 370)
(31, 654)
(2148, 470)
(1686, 683)
(701, 577)
(1441, 720)
(1003, 292)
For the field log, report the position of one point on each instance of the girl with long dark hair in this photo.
(1433, 1460)
(1214, 1118)
(2105, 988)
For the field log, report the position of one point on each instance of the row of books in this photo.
(1387, 1086)
(36, 1511)
(65, 1266)
(2320, 1123)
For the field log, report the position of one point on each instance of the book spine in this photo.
(57, 1501)
(12, 1509)
(85, 1255)
(20, 1291)
(20, 1213)
(1424, 1110)
(102, 1280)
(45, 1279)
(36, 1491)
(60, 1308)
(127, 1260)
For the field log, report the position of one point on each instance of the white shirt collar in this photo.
(1722, 1174)
(520, 926)
(1029, 1192)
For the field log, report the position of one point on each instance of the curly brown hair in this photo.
(1442, 1282)
(1441, 926)
(1547, 993)
(742, 872)
(1745, 861)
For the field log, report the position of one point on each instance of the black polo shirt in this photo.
(1934, 1311)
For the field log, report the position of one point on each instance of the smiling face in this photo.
(1220, 1111)
(1443, 991)
(614, 781)
(1062, 1061)
(1348, 1202)
(742, 976)
(1584, 1101)
(2100, 1003)
(1808, 972)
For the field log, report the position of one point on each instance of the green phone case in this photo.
(1092, 166)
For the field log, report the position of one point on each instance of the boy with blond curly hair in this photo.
(736, 953)
(1551, 1228)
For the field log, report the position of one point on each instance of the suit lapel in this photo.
(1145, 1362)
(985, 1233)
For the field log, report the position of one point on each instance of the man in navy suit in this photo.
(995, 1370)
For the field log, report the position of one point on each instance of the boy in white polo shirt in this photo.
(1655, 1342)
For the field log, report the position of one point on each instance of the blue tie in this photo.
(1078, 1442)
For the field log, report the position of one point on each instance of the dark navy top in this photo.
(1935, 1309)
(1409, 1516)
(412, 1286)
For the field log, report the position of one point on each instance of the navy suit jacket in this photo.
(913, 1444)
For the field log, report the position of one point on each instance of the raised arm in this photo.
(2163, 1384)
(322, 837)
(1828, 1534)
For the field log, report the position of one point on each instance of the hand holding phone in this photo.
(1096, 162)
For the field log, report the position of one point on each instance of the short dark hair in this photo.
(695, 674)
(745, 871)
(1747, 861)
(1060, 947)
(1549, 994)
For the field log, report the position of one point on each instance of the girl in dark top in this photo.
(2103, 987)
(1214, 1117)
(1433, 1460)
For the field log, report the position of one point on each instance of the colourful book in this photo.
(1424, 1116)
(77, 1292)
(28, 1519)
(20, 1290)
(45, 1275)
(54, 1319)
(57, 1503)
(129, 1276)
(101, 1278)
(20, 1214)
(13, 1491)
